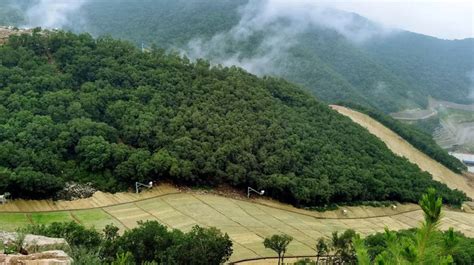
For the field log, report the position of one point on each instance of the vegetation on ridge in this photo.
(387, 71)
(76, 108)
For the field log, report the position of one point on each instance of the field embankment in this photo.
(402, 148)
(247, 222)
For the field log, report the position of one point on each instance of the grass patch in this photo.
(12, 221)
(96, 218)
(51, 217)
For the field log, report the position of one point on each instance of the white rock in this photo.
(34, 243)
(55, 257)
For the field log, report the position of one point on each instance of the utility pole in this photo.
(138, 185)
(249, 189)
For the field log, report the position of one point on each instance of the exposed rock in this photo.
(5, 32)
(55, 257)
(34, 243)
(74, 191)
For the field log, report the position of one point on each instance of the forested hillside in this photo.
(337, 56)
(443, 69)
(76, 108)
(390, 71)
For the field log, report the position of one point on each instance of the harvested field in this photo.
(246, 221)
(402, 148)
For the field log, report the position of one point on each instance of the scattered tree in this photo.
(279, 244)
(322, 249)
(342, 246)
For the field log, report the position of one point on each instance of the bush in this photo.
(148, 243)
(75, 234)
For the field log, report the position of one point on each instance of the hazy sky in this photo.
(447, 19)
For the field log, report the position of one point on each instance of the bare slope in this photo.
(402, 148)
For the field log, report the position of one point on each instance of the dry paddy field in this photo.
(246, 221)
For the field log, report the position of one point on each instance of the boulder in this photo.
(55, 257)
(34, 243)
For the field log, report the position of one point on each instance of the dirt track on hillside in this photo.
(402, 148)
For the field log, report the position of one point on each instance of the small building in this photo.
(467, 159)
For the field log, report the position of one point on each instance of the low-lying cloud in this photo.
(279, 23)
(54, 13)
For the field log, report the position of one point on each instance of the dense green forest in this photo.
(81, 109)
(415, 136)
(389, 72)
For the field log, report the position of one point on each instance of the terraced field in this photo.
(246, 221)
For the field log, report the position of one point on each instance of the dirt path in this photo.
(402, 148)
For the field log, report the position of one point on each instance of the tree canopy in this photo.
(75, 108)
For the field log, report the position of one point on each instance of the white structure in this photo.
(467, 159)
(249, 189)
(138, 185)
(3, 198)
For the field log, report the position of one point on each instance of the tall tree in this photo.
(279, 244)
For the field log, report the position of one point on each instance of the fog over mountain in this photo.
(337, 55)
(283, 24)
(53, 13)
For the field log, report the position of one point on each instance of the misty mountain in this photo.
(441, 68)
(338, 56)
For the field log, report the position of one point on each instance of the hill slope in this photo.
(337, 55)
(415, 136)
(247, 222)
(76, 108)
(404, 149)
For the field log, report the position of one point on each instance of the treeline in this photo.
(75, 108)
(418, 138)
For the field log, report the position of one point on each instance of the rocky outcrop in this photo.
(55, 257)
(33, 243)
(73, 191)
